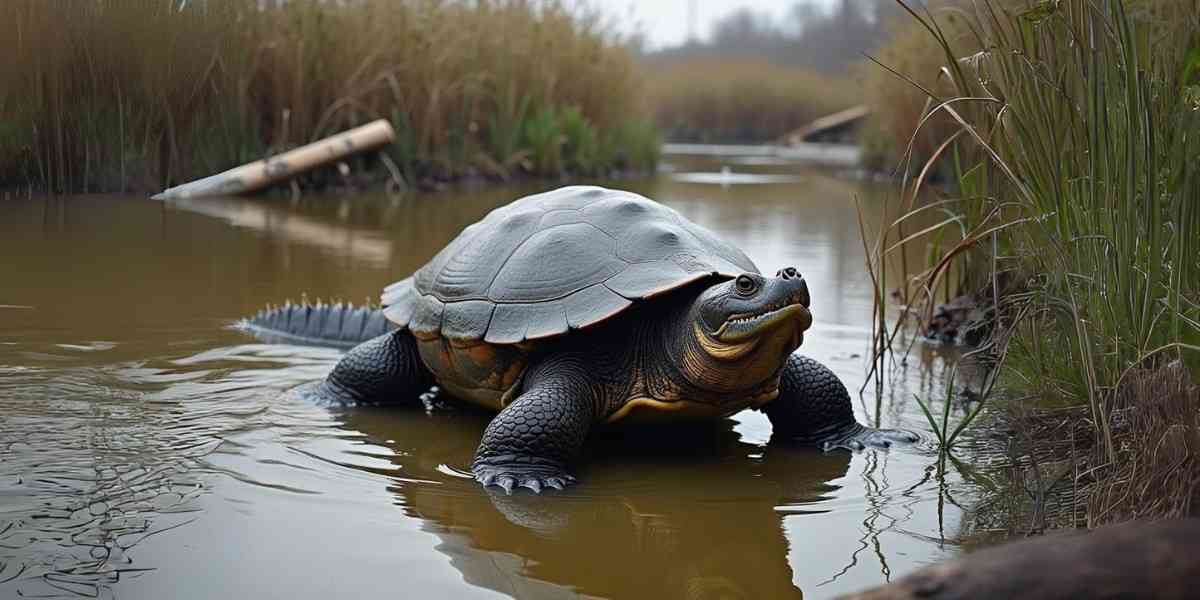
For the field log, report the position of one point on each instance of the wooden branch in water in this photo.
(262, 173)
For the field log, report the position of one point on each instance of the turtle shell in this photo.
(553, 262)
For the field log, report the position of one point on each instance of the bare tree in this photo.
(808, 37)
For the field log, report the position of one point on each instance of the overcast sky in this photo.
(665, 22)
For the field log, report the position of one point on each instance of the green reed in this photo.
(136, 94)
(1076, 132)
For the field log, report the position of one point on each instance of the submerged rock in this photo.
(962, 320)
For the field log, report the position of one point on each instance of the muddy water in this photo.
(149, 451)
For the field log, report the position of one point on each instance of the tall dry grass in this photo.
(1072, 142)
(740, 100)
(117, 94)
(897, 106)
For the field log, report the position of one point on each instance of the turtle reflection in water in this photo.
(669, 510)
(584, 306)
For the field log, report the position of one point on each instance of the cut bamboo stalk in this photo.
(262, 173)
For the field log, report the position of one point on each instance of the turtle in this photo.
(583, 307)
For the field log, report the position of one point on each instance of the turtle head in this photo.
(744, 329)
(751, 306)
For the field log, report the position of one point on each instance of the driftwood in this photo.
(839, 126)
(262, 173)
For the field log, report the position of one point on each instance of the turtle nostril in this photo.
(788, 273)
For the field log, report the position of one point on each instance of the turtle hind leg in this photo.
(383, 370)
(814, 408)
(530, 443)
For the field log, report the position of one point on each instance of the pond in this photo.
(149, 450)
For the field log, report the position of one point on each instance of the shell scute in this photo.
(556, 262)
(648, 279)
(592, 305)
(558, 217)
(400, 301)
(467, 273)
(616, 215)
(545, 320)
(508, 325)
(571, 197)
(427, 317)
(467, 320)
(653, 240)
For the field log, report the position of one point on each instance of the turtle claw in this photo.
(511, 475)
(851, 445)
(507, 482)
(559, 483)
(860, 438)
(884, 438)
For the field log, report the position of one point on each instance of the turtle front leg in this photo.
(814, 408)
(382, 370)
(533, 440)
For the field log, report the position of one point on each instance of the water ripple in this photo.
(96, 460)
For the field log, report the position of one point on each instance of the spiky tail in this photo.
(340, 325)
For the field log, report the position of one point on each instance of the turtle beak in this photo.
(792, 275)
(790, 306)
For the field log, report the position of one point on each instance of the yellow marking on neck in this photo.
(643, 408)
(721, 350)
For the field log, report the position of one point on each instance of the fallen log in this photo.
(262, 173)
(1132, 560)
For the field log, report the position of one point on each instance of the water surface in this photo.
(147, 450)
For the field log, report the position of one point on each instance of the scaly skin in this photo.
(813, 408)
(386, 369)
(532, 441)
(339, 325)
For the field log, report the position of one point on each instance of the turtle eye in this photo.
(745, 285)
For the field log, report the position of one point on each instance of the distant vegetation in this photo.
(1072, 137)
(136, 94)
(810, 37)
(758, 78)
(740, 101)
(911, 56)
